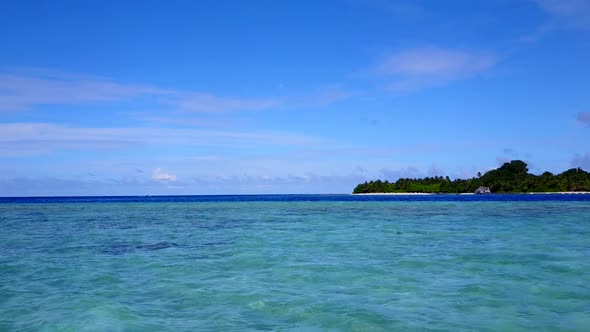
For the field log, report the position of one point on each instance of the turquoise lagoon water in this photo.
(295, 263)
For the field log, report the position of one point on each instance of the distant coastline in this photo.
(510, 178)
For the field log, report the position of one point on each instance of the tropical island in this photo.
(511, 177)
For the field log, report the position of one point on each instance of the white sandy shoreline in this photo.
(563, 193)
(426, 194)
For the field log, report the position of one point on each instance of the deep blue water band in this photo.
(304, 198)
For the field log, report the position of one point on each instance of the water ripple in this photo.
(307, 265)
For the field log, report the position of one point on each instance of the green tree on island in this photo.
(511, 177)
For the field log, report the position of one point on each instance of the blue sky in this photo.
(214, 97)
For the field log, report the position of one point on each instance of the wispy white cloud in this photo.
(424, 67)
(573, 14)
(180, 120)
(52, 186)
(134, 185)
(561, 14)
(159, 175)
(208, 103)
(307, 182)
(26, 89)
(583, 118)
(19, 91)
(46, 137)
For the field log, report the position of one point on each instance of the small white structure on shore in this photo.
(482, 190)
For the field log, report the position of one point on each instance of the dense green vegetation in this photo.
(512, 177)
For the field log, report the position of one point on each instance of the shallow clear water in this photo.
(328, 264)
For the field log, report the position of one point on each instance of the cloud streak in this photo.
(208, 103)
(45, 137)
(159, 175)
(236, 184)
(425, 67)
(24, 91)
(574, 14)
